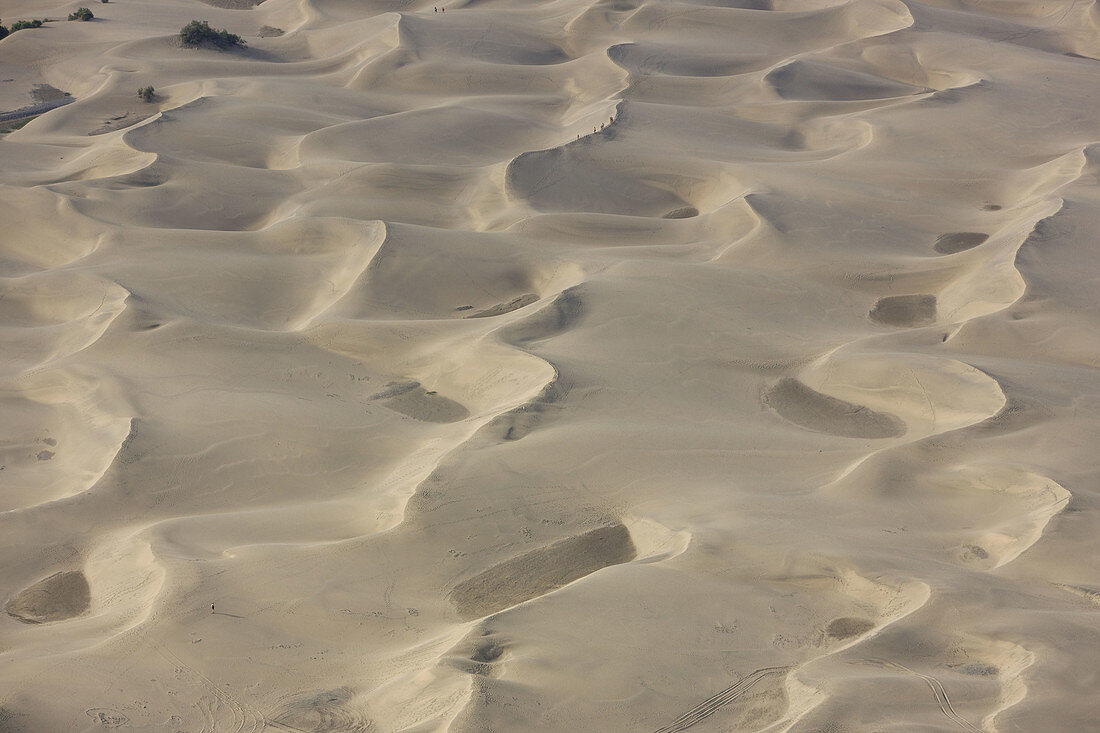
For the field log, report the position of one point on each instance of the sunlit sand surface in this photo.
(631, 365)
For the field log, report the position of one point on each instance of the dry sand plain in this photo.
(771, 405)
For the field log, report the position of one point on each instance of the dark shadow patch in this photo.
(501, 308)
(586, 177)
(479, 656)
(949, 244)
(812, 410)
(121, 122)
(232, 4)
(540, 571)
(393, 389)
(980, 670)
(1018, 413)
(488, 652)
(1058, 225)
(518, 423)
(61, 596)
(145, 178)
(45, 97)
(684, 212)
(552, 320)
(811, 80)
(848, 627)
(974, 554)
(905, 310)
(427, 406)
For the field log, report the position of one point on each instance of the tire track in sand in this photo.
(716, 702)
(938, 691)
(245, 719)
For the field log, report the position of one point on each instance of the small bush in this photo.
(4, 31)
(199, 33)
(21, 24)
(147, 94)
(81, 14)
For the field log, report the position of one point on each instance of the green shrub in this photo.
(147, 94)
(4, 31)
(199, 33)
(21, 24)
(81, 14)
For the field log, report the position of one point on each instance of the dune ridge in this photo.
(615, 365)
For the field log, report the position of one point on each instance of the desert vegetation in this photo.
(147, 94)
(23, 24)
(198, 33)
(83, 14)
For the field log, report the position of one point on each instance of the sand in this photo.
(629, 365)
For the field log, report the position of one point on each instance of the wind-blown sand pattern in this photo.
(627, 365)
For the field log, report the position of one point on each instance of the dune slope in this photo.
(614, 365)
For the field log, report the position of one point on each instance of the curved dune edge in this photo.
(391, 495)
(793, 698)
(868, 396)
(84, 428)
(930, 394)
(427, 696)
(656, 541)
(448, 679)
(1039, 499)
(126, 595)
(126, 577)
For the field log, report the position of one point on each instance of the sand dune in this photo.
(616, 365)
